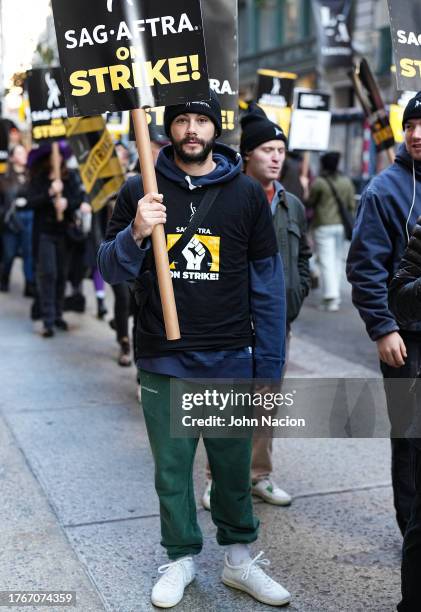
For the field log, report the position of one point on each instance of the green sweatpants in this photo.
(229, 459)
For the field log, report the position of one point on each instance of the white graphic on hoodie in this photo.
(194, 254)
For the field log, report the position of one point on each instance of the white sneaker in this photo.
(169, 589)
(271, 493)
(251, 579)
(206, 495)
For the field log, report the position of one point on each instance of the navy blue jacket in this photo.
(386, 216)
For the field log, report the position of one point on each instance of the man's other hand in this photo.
(392, 350)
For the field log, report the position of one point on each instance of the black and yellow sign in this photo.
(275, 92)
(405, 26)
(368, 93)
(4, 146)
(100, 169)
(220, 18)
(125, 54)
(48, 107)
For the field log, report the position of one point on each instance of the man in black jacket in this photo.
(405, 303)
(228, 273)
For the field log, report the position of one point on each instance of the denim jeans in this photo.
(329, 246)
(20, 243)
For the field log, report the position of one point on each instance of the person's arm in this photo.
(368, 264)
(267, 303)
(304, 255)
(121, 256)
(351, 197)
(267, 291)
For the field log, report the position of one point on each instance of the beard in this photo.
(195, 158)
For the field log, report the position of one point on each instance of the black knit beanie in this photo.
(257, 129)
(211, 108)
(412, 110)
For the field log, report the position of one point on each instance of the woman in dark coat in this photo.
(54, 203)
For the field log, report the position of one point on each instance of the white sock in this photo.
(100, 294)
(238, 554)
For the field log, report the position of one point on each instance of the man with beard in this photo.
(216, 301)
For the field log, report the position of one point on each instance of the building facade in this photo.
(282, 35)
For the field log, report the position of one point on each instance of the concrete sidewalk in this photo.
(79, 511)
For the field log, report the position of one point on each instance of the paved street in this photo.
(79, 511)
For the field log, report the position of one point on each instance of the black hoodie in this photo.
(211, 281)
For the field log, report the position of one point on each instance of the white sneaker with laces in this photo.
(169, 589)
(206, 495)
(250, 578)
(271, 493)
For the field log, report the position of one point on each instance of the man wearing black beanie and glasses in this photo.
(227, 275)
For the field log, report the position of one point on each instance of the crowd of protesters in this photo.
(282, 230)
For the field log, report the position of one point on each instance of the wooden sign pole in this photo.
(159, 244)
(56, 164)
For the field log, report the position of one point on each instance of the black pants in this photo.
(51, 276)
(121, 310)
(401, 405)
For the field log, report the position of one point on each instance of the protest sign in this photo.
(47, 104)
(4, 146)
(128, 54)
(118, 123)
(220, 29)
(370, 98)
(220, 19)
(310, 123)
(275, 94)
(405, 26)
(333, 20)
(100, 169)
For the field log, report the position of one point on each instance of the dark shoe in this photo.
(61, 324)
(112, 324)
(75, 303)
(4, 286)
(102, 310)
(29, 290)
(47, 332)
(124, 358)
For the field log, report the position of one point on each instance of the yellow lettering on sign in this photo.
(140, 74)
(81, 87)
(409, 67)
(99, 74)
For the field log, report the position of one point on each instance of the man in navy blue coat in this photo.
(387, 213)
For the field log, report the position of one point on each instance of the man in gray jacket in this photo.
(263, 148)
